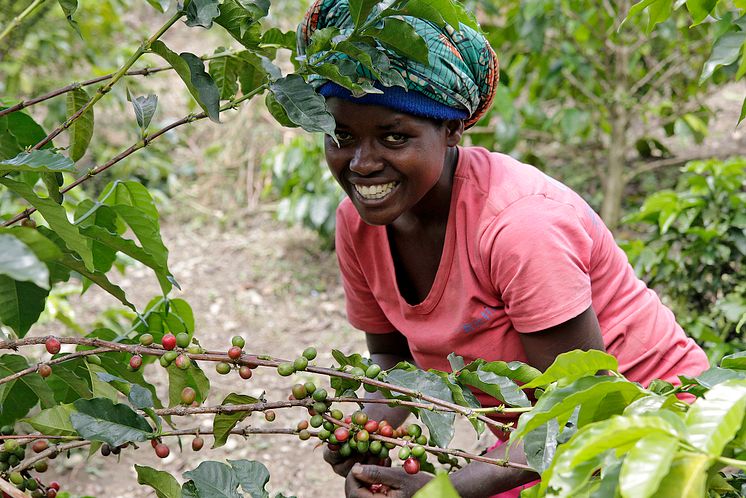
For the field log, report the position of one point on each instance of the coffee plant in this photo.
(587, 433)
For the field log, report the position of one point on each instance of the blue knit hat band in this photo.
(399, 99)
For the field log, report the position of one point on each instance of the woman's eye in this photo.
(395, 138)
(342, 136)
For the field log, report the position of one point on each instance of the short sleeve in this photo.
(538, 256)
(363, 311)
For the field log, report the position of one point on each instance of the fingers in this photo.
(340, 464)
(357, 489)
(376, 474)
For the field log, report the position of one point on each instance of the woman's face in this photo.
(387, 162)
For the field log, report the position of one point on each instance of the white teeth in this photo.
(375, 191)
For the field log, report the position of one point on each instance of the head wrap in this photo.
(459, 82)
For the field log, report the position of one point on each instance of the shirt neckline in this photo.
(446, 257)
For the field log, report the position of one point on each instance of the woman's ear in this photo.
(454, 130)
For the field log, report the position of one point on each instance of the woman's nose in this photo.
(365, 160)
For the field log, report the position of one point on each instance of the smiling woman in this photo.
(444, 248)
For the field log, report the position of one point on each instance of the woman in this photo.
(447, 249)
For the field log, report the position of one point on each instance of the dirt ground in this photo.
(275, 286)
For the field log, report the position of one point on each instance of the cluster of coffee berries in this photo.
(161, 450)
(235, 352)
(107, 450)
(12, 454)
(53, 347)
(170, 343)
(298, 365)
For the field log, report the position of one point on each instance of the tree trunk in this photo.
(613, 182)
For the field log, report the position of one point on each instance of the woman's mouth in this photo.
(375, 192)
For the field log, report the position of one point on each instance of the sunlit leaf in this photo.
(202, 12)
(573, 365)
(164, 484)
(81, 129)
(41, 161)
(715, 420)
(646, 464)
(224, 423)
(686, 478)
(401, 37)
(19, 262)
(725, 51)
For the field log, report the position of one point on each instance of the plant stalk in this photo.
(20, 17)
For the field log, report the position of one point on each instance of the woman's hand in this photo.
(363, 482)
(342, 465)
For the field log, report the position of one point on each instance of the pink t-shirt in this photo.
(522, 253)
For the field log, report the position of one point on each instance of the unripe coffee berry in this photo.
(360, 417)
(357, 372)
(309, 353)
(39, 445)
(197, 443)
(162, 450)
(135, 362)
(93, 359)
(376, 446)
(28, 223)
(337, 414)
(320, 395)
(370, 388)
(182, 361)
(421, 440)
(285, 369)
(418, 451)
(182, 339)
(373, 371)
(362, 435)
(168, 341)
(320, 407)
(300, 363)
(31, 484)
(345, 450)
(304, 435)
(329, 426)
(41, 466)
(404, 453)
(244, 372)
(234, 352)
(310, 387)
(53, 345)
(146, 339)
(414, 430)
(299, 391)
(188, 395)
(195, 349)
(238, 341)
(317, 420)
(269, 416)
(324, 434)
(16, 478)
(45, 370)
(223, 368)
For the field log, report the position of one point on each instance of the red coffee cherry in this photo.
(169, 341)
(162, 451)
(52, 345)
(234, 353)
(342, 434)
(411, 465)
(197, 443)
(244, 372)
(45, 370)
(135, 362)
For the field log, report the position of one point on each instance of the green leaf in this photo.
(192, 377)
(160, 5)
(164, 484)
(463, 396)
(303, 105)
(40, 161)
(401, 37)
(21, 303)
(573, 365)
(191, 70)
(743, 112)
(224, 71)
(724, 52)
(100, 388)
(138, 396)
(68, 8)
(540, 446)
(590, 443)
(715, 420)
(439, 424)
(19, 131)
(56, 216)
(735, 361)
(253, 477)
(240, 23)
(277, 111)
(19, 262)
(100, 419)
(514, 370)
(440, 487)
(67, 384)
(18, 396)
(360, 10)
(700, 9)
(561, 402)
(214, 480)
(144, 107)
(43, 248)
(497, 386)
(275, 37)
(687, 477)
(81, 130)
(54, 421)
(646, 464)
(257, 8)
(224, 423)
(251, 73)
(202, 12)
(658, 11)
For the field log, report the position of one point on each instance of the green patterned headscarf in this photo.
(463, 70)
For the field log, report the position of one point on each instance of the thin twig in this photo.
(137, 146)
(11, 490)
(20, 17)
